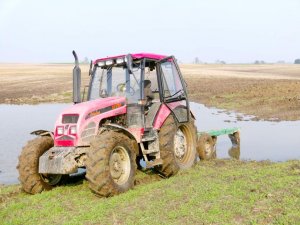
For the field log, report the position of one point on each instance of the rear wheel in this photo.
(111, 165)
(31, 180)
(177, 146)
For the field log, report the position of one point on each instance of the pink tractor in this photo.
(136, 109)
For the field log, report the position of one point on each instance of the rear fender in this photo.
(43, 133)
(161, 116)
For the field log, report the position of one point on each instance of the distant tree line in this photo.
(259, 62)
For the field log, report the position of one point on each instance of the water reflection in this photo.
(234, 152)
(260, 140)
(18, 122)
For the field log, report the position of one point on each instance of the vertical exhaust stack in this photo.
(76, 80)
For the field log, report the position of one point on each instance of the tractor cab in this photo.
(149, 82)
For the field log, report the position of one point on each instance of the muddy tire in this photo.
(32, 182)
(111, 163)
(206, 147)
(235, 138)
(177, 144)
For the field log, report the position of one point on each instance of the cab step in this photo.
(156, 162)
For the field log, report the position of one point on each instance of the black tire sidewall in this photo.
(98, 172)
(28, 165)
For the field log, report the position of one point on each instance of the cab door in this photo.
(173, 88)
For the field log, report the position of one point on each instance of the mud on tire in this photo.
(28, 165)
(171, 163)
(206, 147)
(111, 163)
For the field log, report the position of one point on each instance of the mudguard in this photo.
(118, 127)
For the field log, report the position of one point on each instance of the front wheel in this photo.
(111, 163)
(31, 180)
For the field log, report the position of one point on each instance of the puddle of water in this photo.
(16, 124)
(260, 140)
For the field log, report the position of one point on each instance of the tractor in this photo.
(136, 109)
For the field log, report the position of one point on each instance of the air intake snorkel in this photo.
(76, 80)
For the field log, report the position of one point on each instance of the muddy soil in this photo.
(266, 91)
(265, 98)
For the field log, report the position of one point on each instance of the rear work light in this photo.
(60, 130)
(101, 63)
(120, 60)
(109, 62)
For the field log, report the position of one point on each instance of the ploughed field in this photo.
(266, 91)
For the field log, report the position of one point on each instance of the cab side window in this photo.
(170, 78)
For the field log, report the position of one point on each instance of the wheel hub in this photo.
(180, 144)
(51, 179)
(119, 165)
(208, 149)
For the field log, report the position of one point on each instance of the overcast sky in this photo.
(237, 31)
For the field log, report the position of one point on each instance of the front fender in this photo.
(117, 127)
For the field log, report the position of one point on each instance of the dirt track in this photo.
(267, 91)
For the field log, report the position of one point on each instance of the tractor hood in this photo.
(85, 108)
(79, 123)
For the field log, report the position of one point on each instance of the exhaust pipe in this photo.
(76, 80)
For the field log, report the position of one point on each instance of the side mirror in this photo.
(91, 68)
(129, 62)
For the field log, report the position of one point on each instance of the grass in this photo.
(216, 192)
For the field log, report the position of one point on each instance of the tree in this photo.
(259, 62)
(220, 62)
(297, 61)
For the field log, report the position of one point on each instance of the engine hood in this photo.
(84, 119)
(87, 107)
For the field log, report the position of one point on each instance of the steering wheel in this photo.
(122, 88)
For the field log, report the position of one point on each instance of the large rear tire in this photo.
(111, 163)
(32, 182)
(177, 144)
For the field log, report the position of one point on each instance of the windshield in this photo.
(116, 81)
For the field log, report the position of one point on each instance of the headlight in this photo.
(73, 130)
(60, 130)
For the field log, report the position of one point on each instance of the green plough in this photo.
(206, 142)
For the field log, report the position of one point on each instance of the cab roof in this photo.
(134, 56)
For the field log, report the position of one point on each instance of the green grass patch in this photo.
(216, 192)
